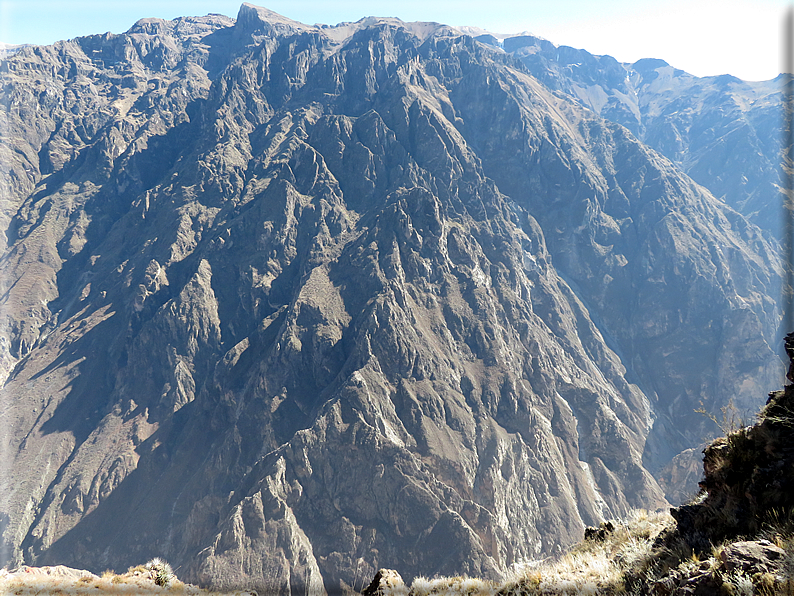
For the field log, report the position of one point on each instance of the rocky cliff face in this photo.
(723, 132)
(285, 304)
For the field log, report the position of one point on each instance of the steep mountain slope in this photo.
(722, 131)
(285, 304)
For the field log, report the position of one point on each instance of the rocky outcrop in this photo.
(386, 581)
(746, 475)
(739, 562)
(286, 304)
(754, 556)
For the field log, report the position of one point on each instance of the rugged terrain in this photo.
(285, 304)
(723, 132)
(735, 538)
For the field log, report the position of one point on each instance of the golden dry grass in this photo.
(592, 567)
(137, 581)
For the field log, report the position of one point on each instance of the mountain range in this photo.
(285, 304)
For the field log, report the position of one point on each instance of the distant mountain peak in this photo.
(255, 18)
(477, 31)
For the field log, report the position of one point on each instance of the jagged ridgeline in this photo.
(285, 304)
(723, 132)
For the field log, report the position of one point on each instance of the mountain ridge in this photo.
(720, 130)
(283, 279)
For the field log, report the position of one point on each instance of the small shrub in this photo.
(730, 418)
(161, 572)
(739, 584)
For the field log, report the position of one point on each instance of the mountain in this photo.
(723, 132)
(735, 537)
(284, 304)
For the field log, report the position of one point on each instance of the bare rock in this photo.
(600, 533)
(680, 477)
(707, 109)
(285, 304)
(386, 582)
(758, 556)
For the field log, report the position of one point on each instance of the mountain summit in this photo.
(284, 304)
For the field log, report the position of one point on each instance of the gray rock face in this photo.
(723, 132)
(679, 478)
(286, 304)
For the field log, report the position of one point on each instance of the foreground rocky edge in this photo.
(735, 538)
(154, 577)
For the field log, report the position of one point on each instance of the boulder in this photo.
(754, 556)
(386, 582)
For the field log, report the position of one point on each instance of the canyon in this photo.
(285, 304)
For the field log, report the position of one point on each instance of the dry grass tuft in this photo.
(453, 585)
(141, 580)
(593, 567)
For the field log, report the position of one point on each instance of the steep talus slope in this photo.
(303, 302)
(722, 131)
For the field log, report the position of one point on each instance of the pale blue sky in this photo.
(704, 37)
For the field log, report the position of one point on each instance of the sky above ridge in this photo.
(703, 37)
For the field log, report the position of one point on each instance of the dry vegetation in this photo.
(642, 556)
(592, 567)
(156, 577)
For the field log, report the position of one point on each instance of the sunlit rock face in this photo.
(287, 304)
